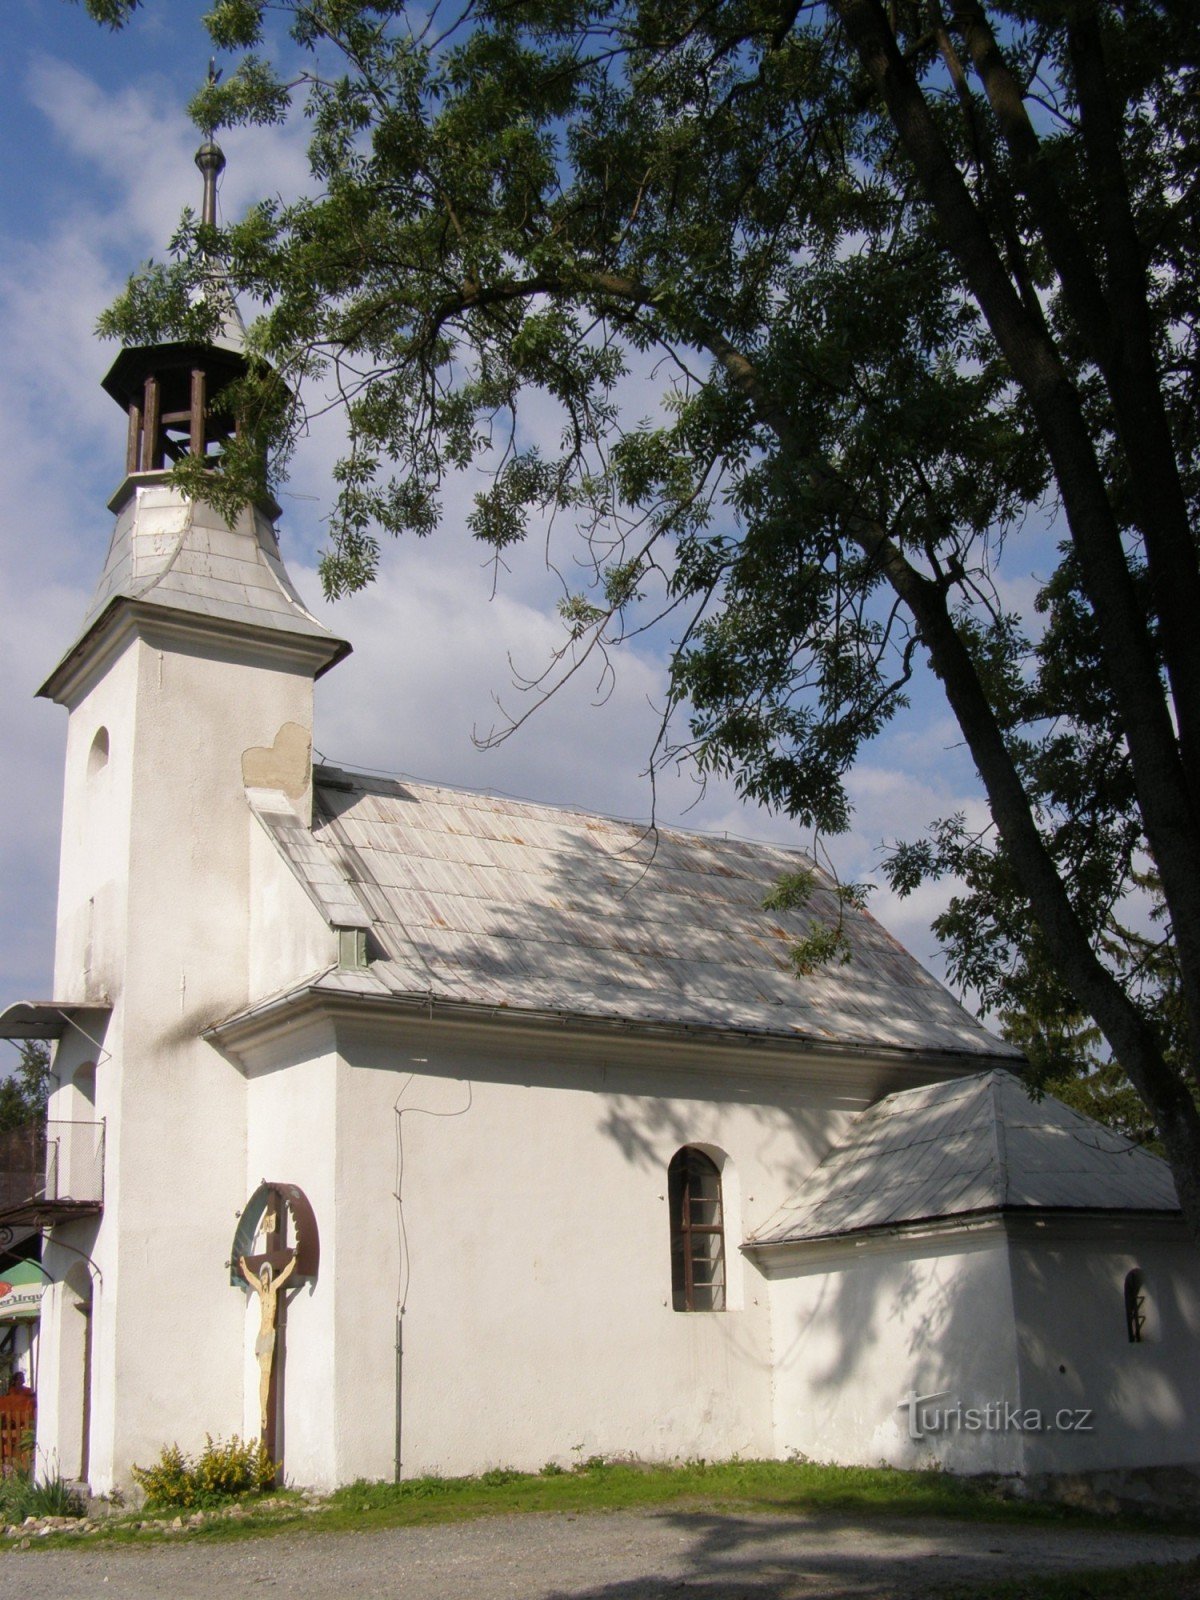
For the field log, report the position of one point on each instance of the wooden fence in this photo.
(17, 1412)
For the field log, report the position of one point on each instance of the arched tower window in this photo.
(1135, 1305)
(98, 754)
(697, 1232)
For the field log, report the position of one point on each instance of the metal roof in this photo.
(45, 1019)
(502, 903)
(182, 554)
(978, 1144)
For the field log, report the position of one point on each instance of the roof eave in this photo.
(46, 1019)
(247, 1027)
(962, 1220)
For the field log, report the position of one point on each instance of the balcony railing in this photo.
(51, 1170)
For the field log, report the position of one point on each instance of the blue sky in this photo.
(97, 166)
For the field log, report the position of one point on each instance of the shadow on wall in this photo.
(1031, 1336)
(1076, 1346)
(789, 1142)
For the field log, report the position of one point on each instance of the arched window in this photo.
(1135, 1305)
(697, 1232)
(98, 754)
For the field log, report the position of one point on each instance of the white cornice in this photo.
(858, 1071)
(172, 628)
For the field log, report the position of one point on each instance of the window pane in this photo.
(697, 1240)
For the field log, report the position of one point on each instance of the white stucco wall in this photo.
(1019, 1321)
(535, 1271)
(1075, 1354)
(859, 1326)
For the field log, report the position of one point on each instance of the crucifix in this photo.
(272, 1265)
(266, 1285)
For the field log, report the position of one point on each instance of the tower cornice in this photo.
(165, 627)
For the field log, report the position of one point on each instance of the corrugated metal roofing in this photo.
(476, 899)
(975, 1144)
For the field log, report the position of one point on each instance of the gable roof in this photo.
(502, 903)
(970, 1146)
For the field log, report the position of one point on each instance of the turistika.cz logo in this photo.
(926, 1416)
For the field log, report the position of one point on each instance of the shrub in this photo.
(220, 1472)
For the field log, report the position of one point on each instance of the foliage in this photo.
(23, 1495)
(915, 292)
(112, 13)
(25, 1092)
(219, 1473)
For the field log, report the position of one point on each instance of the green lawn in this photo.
(597, 1486)
(744, 1485)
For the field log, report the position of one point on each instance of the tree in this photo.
(24, 1093)
(916, 282)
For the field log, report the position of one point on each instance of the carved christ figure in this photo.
(267, 1286)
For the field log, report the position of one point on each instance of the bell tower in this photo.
(170, 391)
(195, 655)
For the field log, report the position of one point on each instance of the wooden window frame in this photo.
(686, 1164)
(1135, 1306)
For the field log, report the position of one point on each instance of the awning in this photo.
(21, 1288)
(44, 1019)
(43, 1213)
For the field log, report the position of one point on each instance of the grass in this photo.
(599, 1486)
(778, 1486)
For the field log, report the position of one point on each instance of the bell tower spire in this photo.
(169, 553)
(210, 158)
(168, 391)
(194, 667)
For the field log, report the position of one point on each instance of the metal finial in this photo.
(210, 158)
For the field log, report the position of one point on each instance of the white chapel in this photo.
(425, 1131)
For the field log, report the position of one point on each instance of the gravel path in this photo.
(613, 1556)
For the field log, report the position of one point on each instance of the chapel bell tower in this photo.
(191, 678)
(170, 392)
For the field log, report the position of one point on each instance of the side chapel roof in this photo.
(479, 900)
(970, 1146)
